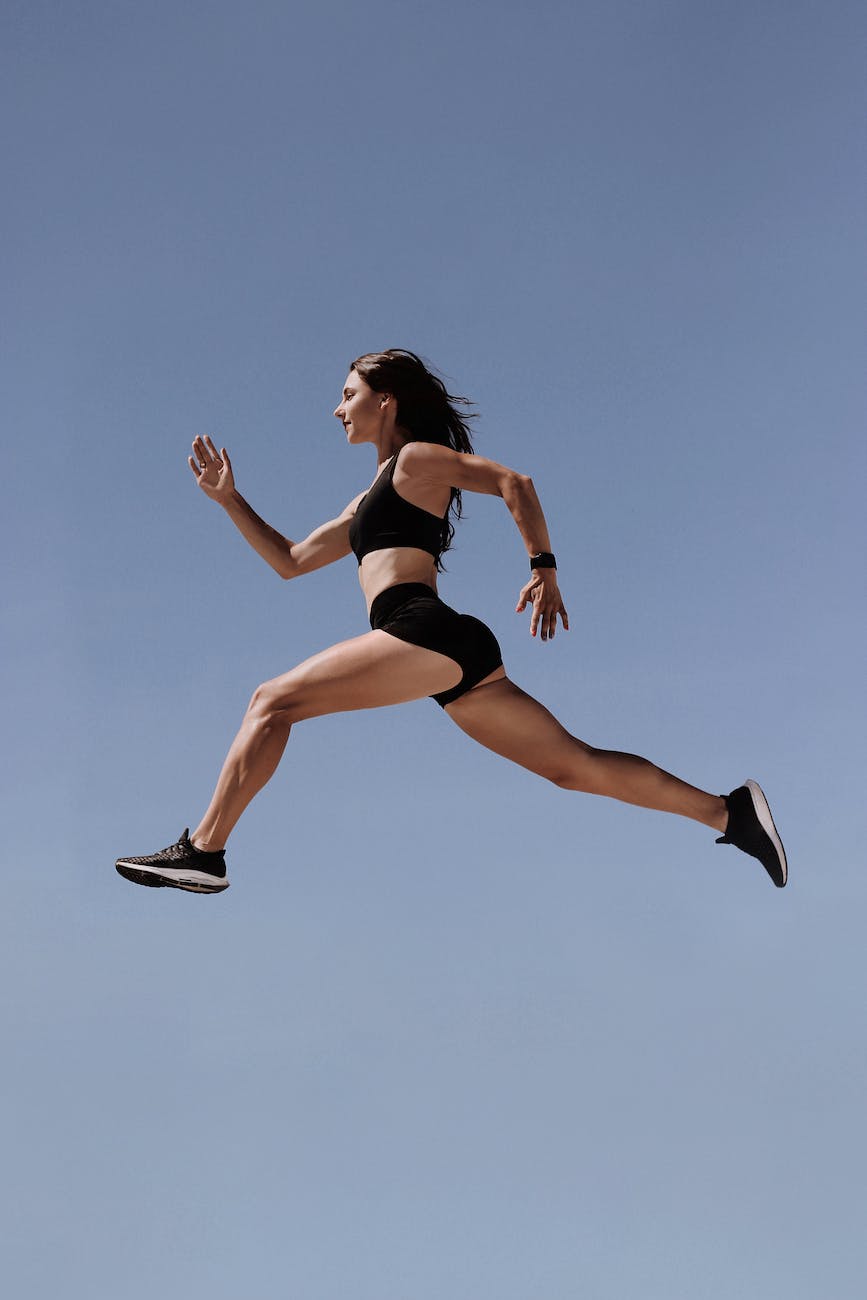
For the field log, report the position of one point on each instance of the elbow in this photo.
(515, 485)
(286, 564)
(285, 568)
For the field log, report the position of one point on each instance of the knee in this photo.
(271, 705)
(578, 773)
(568, 781)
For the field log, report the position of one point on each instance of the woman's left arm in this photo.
(443, 466)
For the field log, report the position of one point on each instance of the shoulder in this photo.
(429, 461)
(420, 457)
(455, 469)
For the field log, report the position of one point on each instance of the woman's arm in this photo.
(444, 467)
(329, 542)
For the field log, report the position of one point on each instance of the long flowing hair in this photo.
(425, 408)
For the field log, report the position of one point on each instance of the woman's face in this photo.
(361, 410)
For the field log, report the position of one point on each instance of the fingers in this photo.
(544, 614)
(206, 453)
(548, 618)
(523, 596)
(546, 606)
(213, 450)
(212, 468)
(201, 452)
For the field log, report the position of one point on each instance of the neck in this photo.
(389, 446)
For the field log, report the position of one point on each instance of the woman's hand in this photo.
(544, 594)
(213, 470)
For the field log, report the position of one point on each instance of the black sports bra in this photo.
(384, 518)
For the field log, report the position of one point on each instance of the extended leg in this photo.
(505, 719)
(365, 673)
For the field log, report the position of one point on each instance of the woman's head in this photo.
(426, 410)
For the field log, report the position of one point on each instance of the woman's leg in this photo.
(365, 673)
(505, 719)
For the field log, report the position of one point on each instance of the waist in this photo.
(385, 569)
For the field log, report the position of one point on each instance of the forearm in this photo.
(520, 496)
(541, 589)
(273, 547)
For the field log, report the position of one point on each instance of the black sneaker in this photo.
(751, 828)
(180, 866)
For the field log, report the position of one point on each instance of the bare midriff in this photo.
(380, 570)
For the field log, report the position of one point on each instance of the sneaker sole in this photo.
(766, 821)
(195, 882)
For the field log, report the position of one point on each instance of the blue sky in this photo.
(450, 1032)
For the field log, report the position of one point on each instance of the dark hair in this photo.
(425, 409)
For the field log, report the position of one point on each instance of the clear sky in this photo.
(451, 1033)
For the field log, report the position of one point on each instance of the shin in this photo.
(252, 760)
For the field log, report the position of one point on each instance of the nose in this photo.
(339, 412)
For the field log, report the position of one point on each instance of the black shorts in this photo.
(413, 612)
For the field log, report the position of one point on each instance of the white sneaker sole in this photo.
(196, 882)
(766, 821)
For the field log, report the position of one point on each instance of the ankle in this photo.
(721, 817)
(202, 844)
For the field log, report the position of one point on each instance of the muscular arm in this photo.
(327, 543)
(440, 465)
(444, 467)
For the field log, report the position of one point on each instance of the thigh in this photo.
(366, 672)
(510, 722)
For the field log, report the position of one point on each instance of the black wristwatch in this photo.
(544, 560)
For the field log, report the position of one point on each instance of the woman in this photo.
(399, 530)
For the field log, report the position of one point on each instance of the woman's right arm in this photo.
(329, 542)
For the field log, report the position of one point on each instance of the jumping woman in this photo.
(399, 529)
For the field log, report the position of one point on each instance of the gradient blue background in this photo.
(452, 1033)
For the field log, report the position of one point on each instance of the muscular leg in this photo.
(364, 673)
(505, 719)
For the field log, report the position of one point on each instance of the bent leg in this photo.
(365, 673)
(504, 718)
